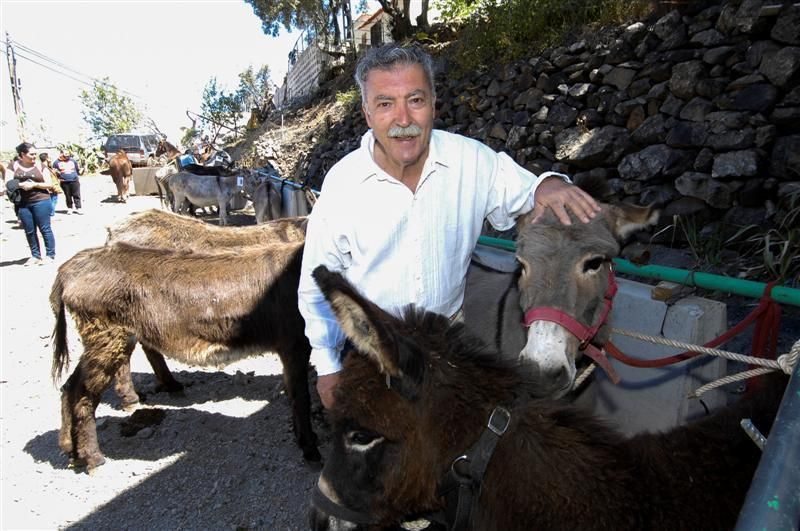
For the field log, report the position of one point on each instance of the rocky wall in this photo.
(698, 113)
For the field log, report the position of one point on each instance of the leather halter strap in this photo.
(331, 508)
(461, 485)
(585, 334)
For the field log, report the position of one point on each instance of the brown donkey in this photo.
(120, 169)
(164, 230)
(186, 305)
(424, 413)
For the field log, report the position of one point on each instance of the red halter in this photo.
(584, 333)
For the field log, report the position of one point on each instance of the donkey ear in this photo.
(363, 322)
(625, 219)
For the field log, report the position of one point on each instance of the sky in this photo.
(163, 52)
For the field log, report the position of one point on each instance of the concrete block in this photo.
(652, 399)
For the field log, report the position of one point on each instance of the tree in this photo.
(107, 111)
(300, 14)
(220, 111)
(254, 88)
(318, 17)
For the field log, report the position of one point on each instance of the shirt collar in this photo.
(435, 156)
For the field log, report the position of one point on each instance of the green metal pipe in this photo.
(734, 286)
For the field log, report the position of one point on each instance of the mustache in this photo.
(405, 132)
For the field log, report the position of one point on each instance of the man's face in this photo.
(399, 108)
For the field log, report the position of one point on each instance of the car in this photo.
(141, 148)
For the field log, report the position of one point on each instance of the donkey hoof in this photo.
(65, 445)
(93, 463)
(76, 463)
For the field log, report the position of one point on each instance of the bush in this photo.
(504, 30)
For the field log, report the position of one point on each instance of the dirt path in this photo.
(223, 457)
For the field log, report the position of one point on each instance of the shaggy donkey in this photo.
(165, 230)
(410, 430)
(159, 228)
(186, 305)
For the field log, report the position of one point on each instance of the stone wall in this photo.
(698, 113)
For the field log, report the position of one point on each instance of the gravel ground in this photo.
(223, 457)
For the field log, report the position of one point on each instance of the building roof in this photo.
(371, 20)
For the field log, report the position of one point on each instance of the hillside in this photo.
(697, 113)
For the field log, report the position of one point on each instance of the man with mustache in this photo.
(401, 215)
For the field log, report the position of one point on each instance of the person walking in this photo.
(44, 158)
(68, 171)
(34, 209)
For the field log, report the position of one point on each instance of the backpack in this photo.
(14, 192)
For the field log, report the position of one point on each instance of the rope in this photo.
(311, 197)
(785, 362)
(772, 364)
(585, 373)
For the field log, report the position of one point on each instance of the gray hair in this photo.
(389, 56)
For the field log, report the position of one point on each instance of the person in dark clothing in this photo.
(68, 171)
(34, 210)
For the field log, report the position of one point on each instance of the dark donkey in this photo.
(424, 413)
(186, 305)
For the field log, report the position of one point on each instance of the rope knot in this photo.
(787, 362)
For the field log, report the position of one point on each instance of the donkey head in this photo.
(566, 285)
(415, 388)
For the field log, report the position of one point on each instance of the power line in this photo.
(21, 56)
(61, 65)
(14, 49)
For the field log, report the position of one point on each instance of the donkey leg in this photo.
(164, 379)
(65, 432)
(295, 379)
(123, 386)
(223, 210)
(106, 348)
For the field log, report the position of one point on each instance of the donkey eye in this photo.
(362, 438)
(593, 264)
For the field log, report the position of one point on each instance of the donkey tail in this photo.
(60, 347)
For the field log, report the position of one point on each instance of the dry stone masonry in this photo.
(698, 112)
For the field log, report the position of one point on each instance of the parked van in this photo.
(141, 148)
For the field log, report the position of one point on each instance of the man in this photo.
(401, 215)
(67, 170)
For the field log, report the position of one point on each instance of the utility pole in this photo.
(15, 87)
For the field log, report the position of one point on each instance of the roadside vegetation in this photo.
(494, 31)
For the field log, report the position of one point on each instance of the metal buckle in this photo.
(461, 477)
(499, 420)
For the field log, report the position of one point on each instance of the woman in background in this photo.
(34, 210)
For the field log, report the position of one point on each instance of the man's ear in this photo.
(366, 114)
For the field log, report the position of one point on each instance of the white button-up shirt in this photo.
(400, 247)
